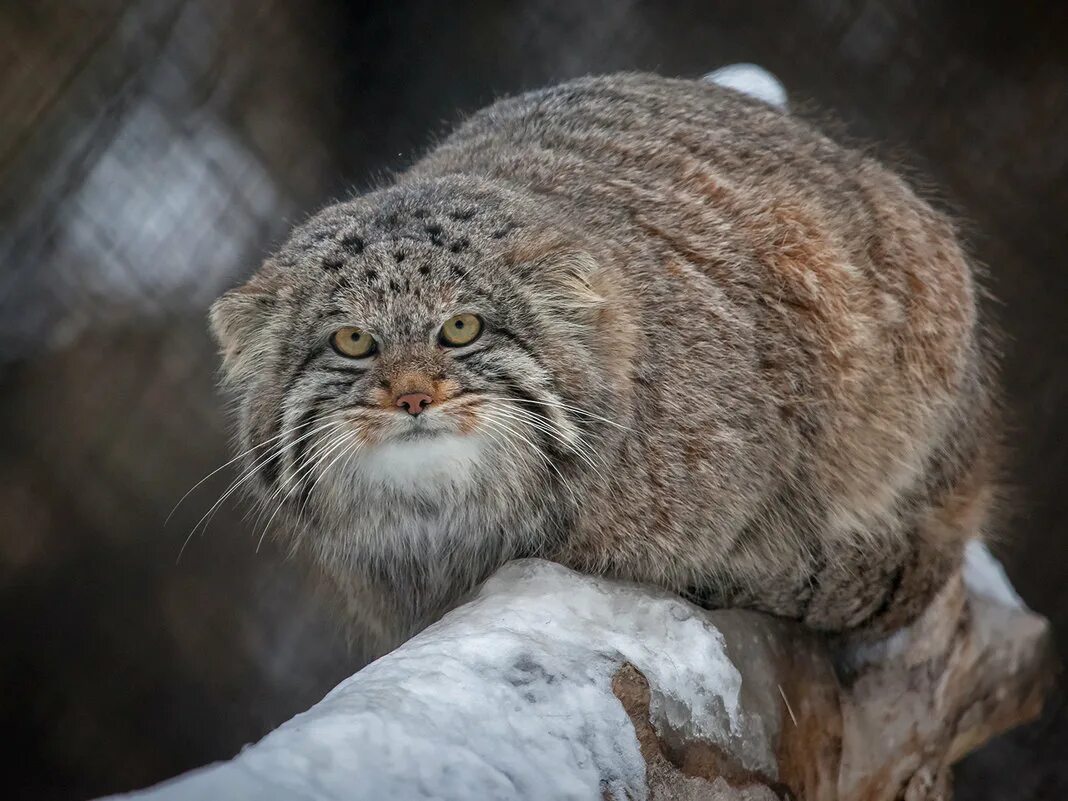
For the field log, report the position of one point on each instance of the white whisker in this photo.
(240, 456)
(250, 472)
(566, 407)
(532, 421)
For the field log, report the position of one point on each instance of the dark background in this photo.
(152, 152)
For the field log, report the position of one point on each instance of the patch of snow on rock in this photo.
(985, 577)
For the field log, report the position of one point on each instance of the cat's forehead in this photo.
(405, 257)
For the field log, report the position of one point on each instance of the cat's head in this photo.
(424, 339)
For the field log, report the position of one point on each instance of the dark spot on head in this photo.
(458, 271)
(371, 275)
(399, 256)
(393, 286)
(424, 270)
(459, 246)
(333, 262)
(352, 243)
(462, 215)
(435, 234)
(419, 213)
(343, 282)
(502, 232)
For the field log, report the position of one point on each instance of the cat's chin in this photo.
(422, 460)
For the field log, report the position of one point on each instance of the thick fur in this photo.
(721, 354)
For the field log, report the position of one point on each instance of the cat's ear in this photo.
(571, 277)
(240, 320)
(576, 281)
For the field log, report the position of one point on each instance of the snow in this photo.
(984, 576)
(752, 80)
(508, 696)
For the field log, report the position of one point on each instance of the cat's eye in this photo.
(353, 342)
(463, 329)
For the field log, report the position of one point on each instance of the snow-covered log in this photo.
(554, 685)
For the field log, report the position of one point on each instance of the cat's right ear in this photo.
(240, 320)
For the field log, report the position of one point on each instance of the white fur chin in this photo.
(422, 466)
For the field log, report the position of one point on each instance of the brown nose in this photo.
(414, 402)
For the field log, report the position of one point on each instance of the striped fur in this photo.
(721, 353)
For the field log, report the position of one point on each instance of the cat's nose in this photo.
(414, 402)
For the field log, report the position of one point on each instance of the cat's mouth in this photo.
(453, 420)
(417, 432)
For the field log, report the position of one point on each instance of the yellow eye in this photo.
(352, 342)
(463, 329)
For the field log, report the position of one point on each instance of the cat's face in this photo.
(426, 342)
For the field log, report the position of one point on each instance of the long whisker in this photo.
(581, 448)
(223, 466)
(343, 443)
(566, 407)
(487, 414)
(249, 473)
(307, 470)
(503, 439)
(288, 484)
(527, 418)
(507, 430)
(345, 451)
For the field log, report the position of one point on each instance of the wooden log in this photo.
(554, 685)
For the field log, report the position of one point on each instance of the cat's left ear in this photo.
(240, 320)
(572, 278)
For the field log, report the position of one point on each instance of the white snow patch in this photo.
(984, 576)
(508, 696)
(752, 80)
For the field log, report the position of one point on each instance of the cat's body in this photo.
(720, 353)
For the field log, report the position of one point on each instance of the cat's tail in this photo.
(752, 80)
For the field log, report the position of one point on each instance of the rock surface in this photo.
(554, 685)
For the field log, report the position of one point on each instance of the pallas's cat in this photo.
(648, 328)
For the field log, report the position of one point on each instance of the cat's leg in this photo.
(888, 587)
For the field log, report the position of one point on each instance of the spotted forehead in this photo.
(403, 265)
(403, 297)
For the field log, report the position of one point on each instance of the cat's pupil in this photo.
(459, 324)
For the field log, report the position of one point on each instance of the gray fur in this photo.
(722, 354)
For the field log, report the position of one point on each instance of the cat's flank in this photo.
(644, 327)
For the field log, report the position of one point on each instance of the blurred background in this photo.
(151, 153)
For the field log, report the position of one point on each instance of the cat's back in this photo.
(823, 317)
(718, 209)
(585, 139)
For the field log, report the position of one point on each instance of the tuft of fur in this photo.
(721, 354)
